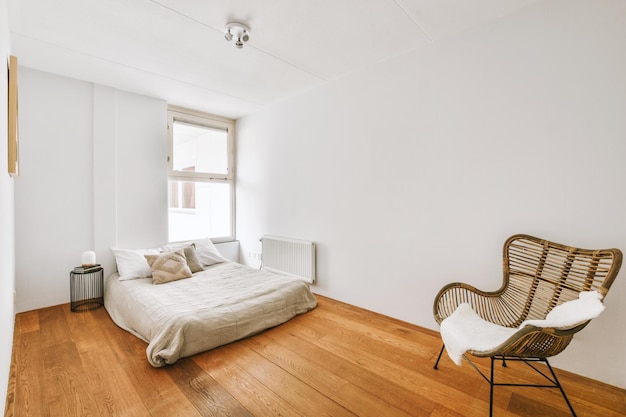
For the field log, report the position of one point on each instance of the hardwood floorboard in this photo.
(255, 396)
(420, 383)
(113, 392)
(330, 364)
(9, 406)
(526, 406)
(298, 365)
(30, 389)
(206, 394)
(27, 322)
(299, 394)
(337, 360)
(307, 365)
(53, 326)
(364, 354)
(66, 382)
(364, 403)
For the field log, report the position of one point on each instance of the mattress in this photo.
(226, 302)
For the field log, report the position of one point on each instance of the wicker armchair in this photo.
(538, 275)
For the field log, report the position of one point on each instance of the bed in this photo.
(223, 303)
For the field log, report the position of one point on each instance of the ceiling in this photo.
(175, 49)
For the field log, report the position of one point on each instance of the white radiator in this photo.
(293, 257)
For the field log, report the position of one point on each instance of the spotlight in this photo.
(239, 31)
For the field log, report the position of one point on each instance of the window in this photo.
(201, 182)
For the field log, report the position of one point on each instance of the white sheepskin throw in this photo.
(464, 330)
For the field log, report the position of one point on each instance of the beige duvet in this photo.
(224, 303)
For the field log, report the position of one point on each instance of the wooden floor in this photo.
(336, 360)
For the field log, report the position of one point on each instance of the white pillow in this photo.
(205, 249)
(132, 264)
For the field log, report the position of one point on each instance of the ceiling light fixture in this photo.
(238, 31)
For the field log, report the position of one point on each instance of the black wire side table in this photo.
(86, 290)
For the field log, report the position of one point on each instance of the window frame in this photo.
(210, 121)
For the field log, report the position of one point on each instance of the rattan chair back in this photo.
(539, 275)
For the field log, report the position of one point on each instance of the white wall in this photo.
(412, 173)
(93, 169)
(7, 234)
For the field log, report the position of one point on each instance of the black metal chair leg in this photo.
(491, 387)
(439, 357)
(492, 384)
(558, 384)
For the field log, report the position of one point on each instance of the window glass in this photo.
(199, 209)
(201, 148)
(200, 176)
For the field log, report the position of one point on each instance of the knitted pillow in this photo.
(168, 266)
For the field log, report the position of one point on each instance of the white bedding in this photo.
(226, 302)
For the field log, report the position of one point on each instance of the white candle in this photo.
(89, 258)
